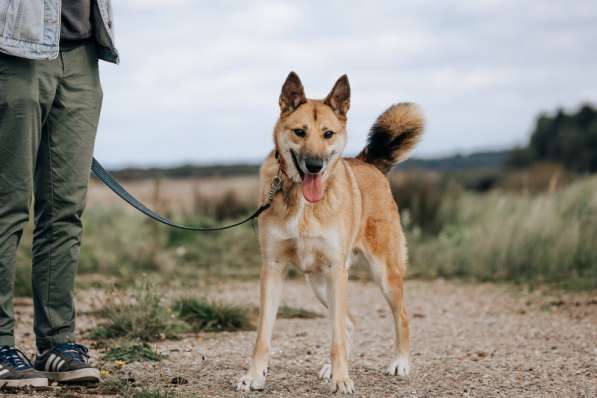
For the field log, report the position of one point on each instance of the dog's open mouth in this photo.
(312, 183)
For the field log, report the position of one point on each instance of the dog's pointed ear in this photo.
(293, 94)
(339, 98)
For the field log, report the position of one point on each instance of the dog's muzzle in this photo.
(308, 164)
(313, 164)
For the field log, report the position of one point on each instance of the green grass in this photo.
(122, 387)
(550, 238)
(155, 393)
(212, 316)
(143, 316)
(132, 353)
(124, 244)
(116, 385)
(544, 238)
(287, 312)
(159, 392)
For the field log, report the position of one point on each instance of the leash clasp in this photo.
(275, 187)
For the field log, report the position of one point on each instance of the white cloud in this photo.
(199, 81)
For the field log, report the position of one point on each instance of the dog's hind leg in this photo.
(318, 283)
(388, 268)
(272, 279)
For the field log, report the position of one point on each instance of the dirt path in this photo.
(467, 340)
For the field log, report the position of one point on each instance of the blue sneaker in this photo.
(67, 363)
(16, 370)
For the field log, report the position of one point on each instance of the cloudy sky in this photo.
(199, 81)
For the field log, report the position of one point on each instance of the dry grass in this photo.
(500, 235)
(178, 195)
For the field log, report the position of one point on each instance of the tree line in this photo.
(569, 139)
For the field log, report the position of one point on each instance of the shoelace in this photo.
(73, 352)
(15, 358)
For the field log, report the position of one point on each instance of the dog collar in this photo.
(281, 163)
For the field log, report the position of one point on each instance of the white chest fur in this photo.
(310, 246)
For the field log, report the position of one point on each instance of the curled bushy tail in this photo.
(393, 135)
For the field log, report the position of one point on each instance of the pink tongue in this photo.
(312, 187)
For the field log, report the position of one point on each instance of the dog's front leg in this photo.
(272, 278)
(337, 279)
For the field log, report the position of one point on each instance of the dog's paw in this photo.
(343, 386)
(326, 372)
(249, 383)
(400, 367)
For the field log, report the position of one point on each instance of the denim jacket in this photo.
(31, 28)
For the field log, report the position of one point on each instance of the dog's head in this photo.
(311, 134)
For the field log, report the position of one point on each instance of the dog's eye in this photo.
(328, 134)
(299, 132)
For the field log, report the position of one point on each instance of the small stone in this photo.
(179, 381)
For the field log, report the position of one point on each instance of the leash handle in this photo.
(119, 190)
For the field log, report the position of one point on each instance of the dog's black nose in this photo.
(314, 165)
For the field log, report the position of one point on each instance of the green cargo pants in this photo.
(49, 111)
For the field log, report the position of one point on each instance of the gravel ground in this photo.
(468, 340)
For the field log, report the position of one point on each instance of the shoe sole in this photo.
(87, 375)
(34, 382)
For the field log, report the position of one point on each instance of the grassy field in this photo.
(549, 237)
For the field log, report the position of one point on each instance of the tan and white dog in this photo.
(328, 208)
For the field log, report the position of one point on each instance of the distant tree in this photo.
(520, 157)
(568, 139)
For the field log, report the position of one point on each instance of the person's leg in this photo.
(61, 179)
(20, 124)
(22, 110)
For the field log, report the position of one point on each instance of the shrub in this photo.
(211, 316)
(420, 196)
(537, 178)
(287, 312)
(132, 353)
(144, 317)
(228, 206)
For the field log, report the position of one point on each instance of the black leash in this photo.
(119, 190)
